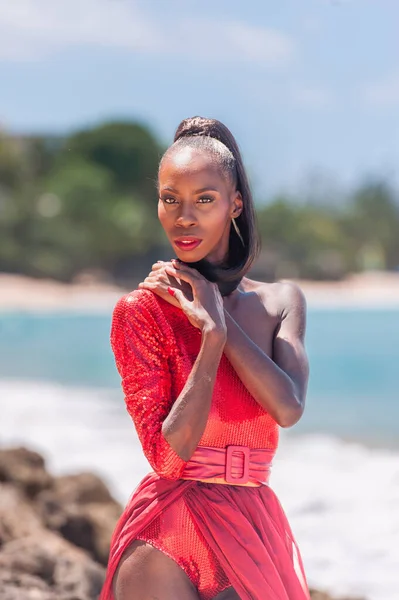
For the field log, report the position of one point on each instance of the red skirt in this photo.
(251, 546)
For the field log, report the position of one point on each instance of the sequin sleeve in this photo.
(140, 351)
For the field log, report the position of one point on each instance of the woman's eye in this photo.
(202, 200)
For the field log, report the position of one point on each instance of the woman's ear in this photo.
(237, 205)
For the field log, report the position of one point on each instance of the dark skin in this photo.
(259, 327)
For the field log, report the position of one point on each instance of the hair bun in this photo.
(200, 126)
(192, 126)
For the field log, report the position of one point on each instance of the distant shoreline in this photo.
(369, 290)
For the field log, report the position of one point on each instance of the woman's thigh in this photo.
(145, 573)
(228, 594)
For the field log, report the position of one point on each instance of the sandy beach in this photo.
(17, 292)
(373, 289)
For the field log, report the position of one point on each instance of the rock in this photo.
(47, 563)
(22, 586)
(35, 562)
(25, 469)
(102, 519)
(18, 518)
(82, 510)
(83, 488)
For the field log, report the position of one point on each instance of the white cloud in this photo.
(33, 29)
(384, 92)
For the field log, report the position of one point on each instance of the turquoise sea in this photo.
(336, 472)
(354, 357)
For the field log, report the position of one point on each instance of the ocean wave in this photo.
(341, 498)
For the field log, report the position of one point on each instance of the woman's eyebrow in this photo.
(168, 188)
(206, 189)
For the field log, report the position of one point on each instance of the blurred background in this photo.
(91, 93)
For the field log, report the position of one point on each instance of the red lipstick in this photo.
(188, 242)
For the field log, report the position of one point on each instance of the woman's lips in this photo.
(187, 243)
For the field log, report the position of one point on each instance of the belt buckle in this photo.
(244, 450)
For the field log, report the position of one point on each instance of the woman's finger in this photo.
(159, 265)
(157, 277)
(151, 284)
(179, 296)
(185, 268)
(161, 291)
(183, 279)
(190, 276)
(159, 273)
(162, 279)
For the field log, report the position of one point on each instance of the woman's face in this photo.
(196, 204)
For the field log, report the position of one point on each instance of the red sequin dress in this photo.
(221, 535)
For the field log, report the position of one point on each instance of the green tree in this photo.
(10, 162)
(372, 225)
(300, 240)
(127, 150)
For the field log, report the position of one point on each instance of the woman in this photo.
(212, 363)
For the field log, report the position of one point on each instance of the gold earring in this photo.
(237, 230)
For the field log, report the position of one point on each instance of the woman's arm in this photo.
(185, 424)
(169, 435)
(278, 385)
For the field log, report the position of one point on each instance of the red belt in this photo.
(233, 465)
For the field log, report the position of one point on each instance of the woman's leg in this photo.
(227, 594)
(145, 573)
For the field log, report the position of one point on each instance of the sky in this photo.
(310, 88)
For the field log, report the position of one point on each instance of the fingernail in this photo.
(171, 291)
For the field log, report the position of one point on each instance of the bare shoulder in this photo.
(280, 297)
(291, 298)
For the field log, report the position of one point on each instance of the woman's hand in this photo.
(158, 281)
(198, 298)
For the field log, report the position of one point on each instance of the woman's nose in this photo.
(186, 218)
